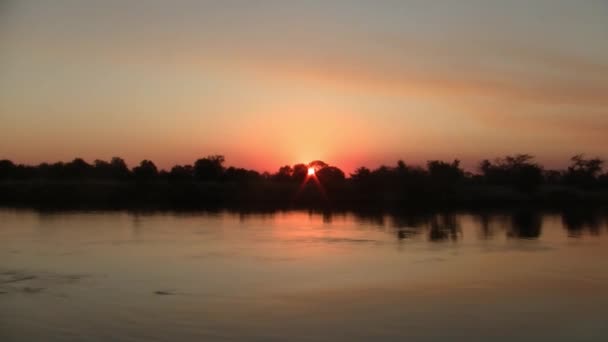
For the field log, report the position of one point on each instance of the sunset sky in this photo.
(268, 83)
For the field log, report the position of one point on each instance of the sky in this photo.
(269, 83)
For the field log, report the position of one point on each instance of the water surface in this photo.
(303, 276)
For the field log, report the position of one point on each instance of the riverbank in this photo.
(275, 195)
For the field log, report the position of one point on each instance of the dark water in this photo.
(300, 276)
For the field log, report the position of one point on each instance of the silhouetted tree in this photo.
(7, 169)
(119, 168)
(518, 171)
(210, 168)
(116, 169)
(24, 172)
(78, 168)
(145, 171)
(603, 180)
(102, 169)
(409, 180)
(584, 172)
(383, 177)
(55, 171)
(445, 175)
(284, 174)
(389, 183)
(299, 173)
(317, 164)
(240, 175)
(181, 173)
(361, 174)
(331, 176)
(553, 176)
(362, 181)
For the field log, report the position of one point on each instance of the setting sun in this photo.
(311, 171)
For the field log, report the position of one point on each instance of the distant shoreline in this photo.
(273, 196)
(503, 182)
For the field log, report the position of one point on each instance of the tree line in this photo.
(510, 178)
(519, 171)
